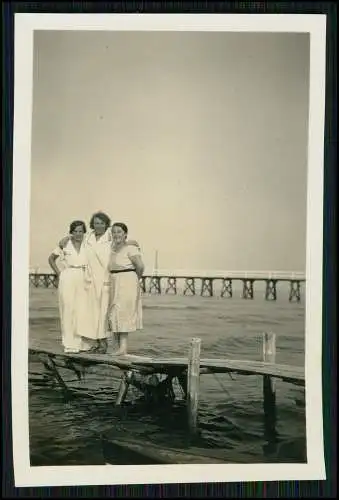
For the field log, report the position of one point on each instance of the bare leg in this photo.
(123, 342)
(116, 339)
(116, 350)
(122, 345)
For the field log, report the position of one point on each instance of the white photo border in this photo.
(314, 469)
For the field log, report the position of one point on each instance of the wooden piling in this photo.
(247, 290)
(182, 379)
(206, 287)
(155, 285)
(189, 286)
(226, 290)
(193, 373)
(271, 289)
(143, 283)
(123, 389)
(171, 284)
(269, 355)
(294, 290)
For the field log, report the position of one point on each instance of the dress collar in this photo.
(105, 238)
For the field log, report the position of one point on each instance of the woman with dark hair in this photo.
(72, 288)
(97, 244)
(126, 268)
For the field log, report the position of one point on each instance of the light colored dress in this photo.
(73, 296)
(97, 283)
(125, 309)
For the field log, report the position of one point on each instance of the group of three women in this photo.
(99, 289)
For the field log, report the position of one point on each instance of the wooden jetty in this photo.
(168, 284)
(154, 376)
(126, 451)
(157, 454)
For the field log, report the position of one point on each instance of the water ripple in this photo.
(230, 410)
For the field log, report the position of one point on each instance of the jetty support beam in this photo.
(226, 290)
(189, 286)
(247, 290)
(143, 283)
(294, 291)
(51, 368)
(182, 379)
(154, 390)
(206, 287)
(171, 285)
(155, 285)
(271, 289)
(193, 373)
(123, 388)
(269, 389)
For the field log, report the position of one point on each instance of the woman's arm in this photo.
(63, 242)
(138, 264)
(52, 262)
(133, 243)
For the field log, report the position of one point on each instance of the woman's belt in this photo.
(76, 267)
(116, 271)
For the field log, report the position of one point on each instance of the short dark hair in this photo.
(103, 217)
(122, 225)
(73, 225)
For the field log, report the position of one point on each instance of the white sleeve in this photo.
(57, 251)
(133, 251)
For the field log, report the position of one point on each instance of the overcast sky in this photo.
(197, 141)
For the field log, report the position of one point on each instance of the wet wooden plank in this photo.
(160, 454)
(293, 374)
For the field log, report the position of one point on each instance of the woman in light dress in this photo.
(126, 268)
(72, 292)
(97, 245)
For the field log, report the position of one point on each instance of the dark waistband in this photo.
(116, 271)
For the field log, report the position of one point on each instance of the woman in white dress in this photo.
(73, 298)
(126, 268)
(97, 244)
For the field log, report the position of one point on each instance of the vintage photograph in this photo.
(168, 264)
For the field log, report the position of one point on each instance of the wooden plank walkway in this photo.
(159, 454)
(288, 373)
(146, 374)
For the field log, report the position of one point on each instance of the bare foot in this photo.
(93, 349)
(119, 352)
(102, 349)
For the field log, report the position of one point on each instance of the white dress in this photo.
(73, 297)
(125, 309)
(97, 254)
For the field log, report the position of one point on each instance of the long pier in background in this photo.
(204, 286)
